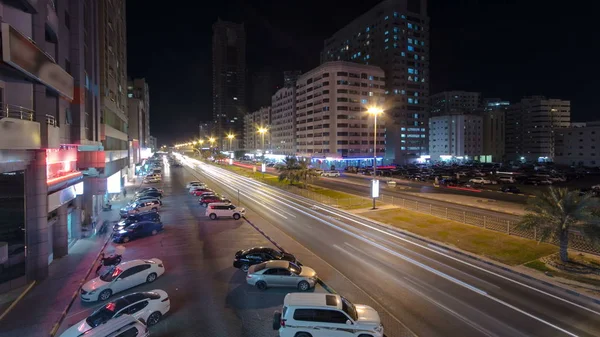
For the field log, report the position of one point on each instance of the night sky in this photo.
(505, 49)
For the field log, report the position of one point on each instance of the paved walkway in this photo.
(38, 311)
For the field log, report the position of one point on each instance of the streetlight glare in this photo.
(230, 136)
(262, 130)
(375, 110)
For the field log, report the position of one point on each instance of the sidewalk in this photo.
(38, 311)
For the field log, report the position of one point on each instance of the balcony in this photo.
(52, 22)
(53, 132)
(19, 130)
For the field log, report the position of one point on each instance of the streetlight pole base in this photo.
(374, 204)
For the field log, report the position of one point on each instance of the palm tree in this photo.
(295, 171)
(555, 213)
(289, 170)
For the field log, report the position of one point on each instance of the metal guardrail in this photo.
(50, 120)
(492, 223)
(18, 112)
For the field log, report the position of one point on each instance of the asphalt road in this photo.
(208, 296)
(423, 187)
(413, 285)
(340, 184)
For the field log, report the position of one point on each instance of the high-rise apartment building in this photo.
(229, 79)
(531, 127)
(455, 137)
(113, 91)
(50, 132)
(332, 123)
(138, 89)
(578, 145)
(454, 103)
(393, 35)
(283, 121)
(253, 122)
(206, 129)
(290, 77)
(494, 129)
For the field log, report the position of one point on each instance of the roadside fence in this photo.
(497, 224)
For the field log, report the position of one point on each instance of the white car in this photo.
(332, 173)
(144, 199)
(148, 307)
(139, 207)
(480, 181)
(193, 183)
(224, 209)
(121, 277)
(151, 180)
(508, 180)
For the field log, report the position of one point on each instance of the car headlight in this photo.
(379, 328)
(92, 292)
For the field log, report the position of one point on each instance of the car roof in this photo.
(220, 203)
(277, 264)
(132, 263)
(313, 300)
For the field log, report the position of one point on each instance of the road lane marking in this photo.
(432, 270)
(468, 263)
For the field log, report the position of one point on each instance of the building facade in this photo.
(135, 130)
(494, 130)
(531, 127)
(332, 123)
(259, 119)
(283, 121)
(455, 137)
(290, 77)
(578, 145)
(454, 103)
(138, 89)
(113, 93)
(229, 79)
(393, 35)
(50, 122)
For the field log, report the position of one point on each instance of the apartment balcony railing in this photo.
(20, 130)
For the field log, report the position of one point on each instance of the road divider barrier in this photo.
(474, 218)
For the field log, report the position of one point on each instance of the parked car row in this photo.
(130, 314)
(217, 206)
(304, 314)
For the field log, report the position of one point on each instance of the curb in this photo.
(480, 259)
(17, 300)
(76, 292)
(322, 283)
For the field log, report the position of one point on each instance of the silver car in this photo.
(281, 274)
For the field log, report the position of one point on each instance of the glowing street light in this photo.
(211, 140)
(262, 131)
(230, 137)
(375, 111)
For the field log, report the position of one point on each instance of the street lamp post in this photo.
(211, 140)
(262, 132)
(230, 137)
(374, 111)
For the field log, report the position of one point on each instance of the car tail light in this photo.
(212, 207)
(160, 265)
(282, 323)
(249, 276)
(164, 300)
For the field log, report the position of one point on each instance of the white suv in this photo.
(224, 209)
(325, 315)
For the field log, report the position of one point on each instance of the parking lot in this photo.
(208, 296)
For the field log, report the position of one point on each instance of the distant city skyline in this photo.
(472, 49)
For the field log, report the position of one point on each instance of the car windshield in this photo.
(111, 274)
(101, 315)
(295, 269)
(349, 308)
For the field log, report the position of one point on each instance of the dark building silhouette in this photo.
(229, 79)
